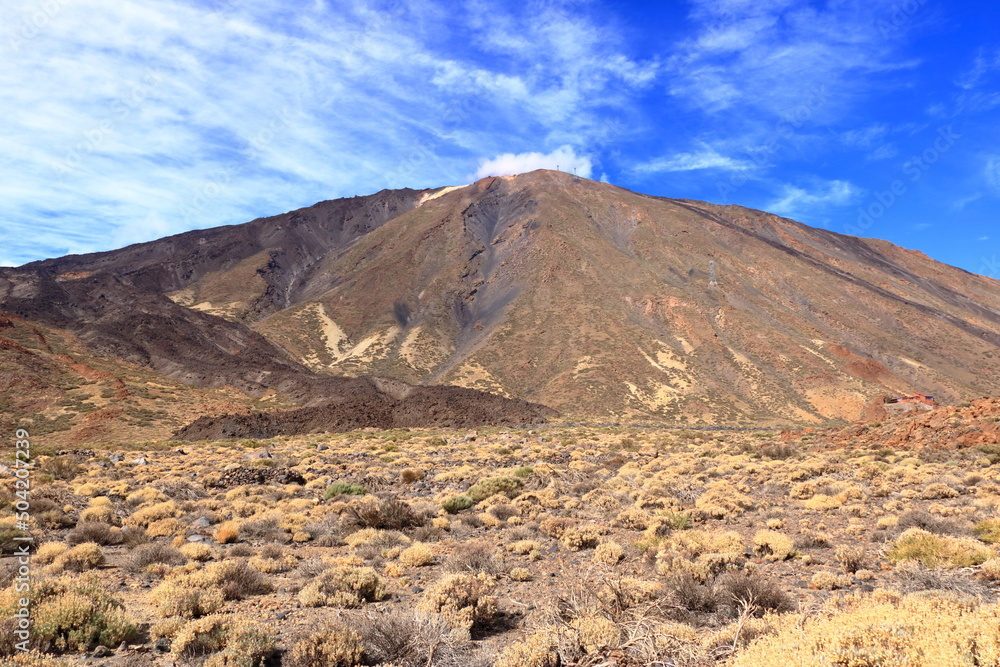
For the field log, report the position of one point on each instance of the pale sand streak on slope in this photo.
(443, 191)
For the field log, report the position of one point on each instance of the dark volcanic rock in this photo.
(449, 407)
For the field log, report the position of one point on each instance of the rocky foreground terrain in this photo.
(558, 545)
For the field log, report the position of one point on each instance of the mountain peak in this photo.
(546, 286)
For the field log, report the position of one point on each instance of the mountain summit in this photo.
(579, 295)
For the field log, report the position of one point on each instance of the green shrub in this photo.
(932, 550)
(491, 486)
(988, 531)
(343, 489)
(456, 504)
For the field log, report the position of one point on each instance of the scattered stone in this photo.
(101, 652)
(141, 461)
(162, 645)
(196, 538)
(116, 457)
(241, 476)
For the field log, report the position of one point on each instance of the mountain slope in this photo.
(580, 295)
(594, 299)
(126, 307)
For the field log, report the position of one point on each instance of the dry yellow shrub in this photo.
(100, 510)
(887, 522)
(582, 537)
(937, 490)
(394, 570)
(464, 600)
(524, 547)
(145, 495)
(166, 628)
(915, 631)
(594, 633)
(417, 555)
(633, 518)
(227, 642)
(990, 570)
(180, 598)
(539, 649)
(828, 581)
(165, 528)
(90, 489)
(196, 551)
(82, 557)
(609, 553)
(343, 587)
(49, 551)
(146, 515)
(228, 532)
(722, 500)
(821, 502)
(332, 646)
(628, 592)
(700, 553)
(370, 536)
(773, 545)
(273, 565)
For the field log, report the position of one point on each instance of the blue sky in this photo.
(127, 120)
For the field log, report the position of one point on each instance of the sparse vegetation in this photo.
(563, 549)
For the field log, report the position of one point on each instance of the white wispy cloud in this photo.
(563, 158)
(768, 57)
(984, 64)
(962, 202)
(977, 90)
(991, 173)
(779, 79)
(128, 120)
(795, 202)
(873, 140)
(705, 158)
